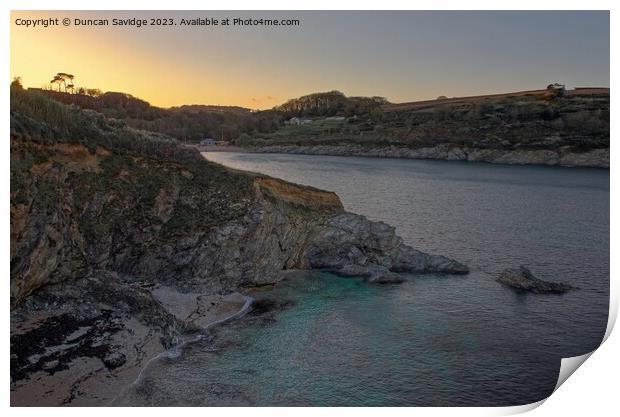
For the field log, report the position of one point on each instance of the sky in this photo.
(402, 55)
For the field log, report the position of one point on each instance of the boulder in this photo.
(407, 259)
(523, 280)
(384, 276)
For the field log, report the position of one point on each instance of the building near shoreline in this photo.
(297, 121)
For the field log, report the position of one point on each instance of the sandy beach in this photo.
(89, 381)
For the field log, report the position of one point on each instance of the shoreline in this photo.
(86, 382)
(596, 158)
(178, 349)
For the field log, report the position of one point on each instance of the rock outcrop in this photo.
(565, 156)
(523, 280)
(350, 245)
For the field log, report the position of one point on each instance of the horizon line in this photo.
(443, 97)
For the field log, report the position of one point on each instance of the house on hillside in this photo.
(207, 141)
(555, 90)
(296, 121)
(556, 87)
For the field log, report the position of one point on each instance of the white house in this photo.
(207, 141)
(297, 121)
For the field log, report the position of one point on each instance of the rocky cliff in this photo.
(123, 242)
(595, 158)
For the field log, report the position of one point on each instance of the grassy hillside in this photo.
(578, 121)
(190, 123)
(86, 190)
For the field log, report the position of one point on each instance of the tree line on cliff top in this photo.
(331, 103)
(362, 119)
(192, 123)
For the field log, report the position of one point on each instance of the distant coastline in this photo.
(553, 126)
(598, 158)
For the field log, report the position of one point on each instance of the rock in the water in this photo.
(384, 276)
(522, 279)
(351, 245)
(377, 274)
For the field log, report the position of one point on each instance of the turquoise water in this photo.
(434, 340)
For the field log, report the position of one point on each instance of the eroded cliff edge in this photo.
(111, 226)
(563, 156)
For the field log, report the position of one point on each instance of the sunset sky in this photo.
(403, 56)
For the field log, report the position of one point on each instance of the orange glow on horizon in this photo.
(403, 56)
(98, 60)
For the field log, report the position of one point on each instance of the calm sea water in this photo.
(434, 340)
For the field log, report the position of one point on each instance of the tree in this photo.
(56, 80)
(556, 89)
(93, 92)
(65, 79)
(16, 84)
(68, 79)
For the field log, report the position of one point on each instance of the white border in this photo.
(311, 5)
(592, 391)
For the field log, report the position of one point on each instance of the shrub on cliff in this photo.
(38, 117)
(190, 123)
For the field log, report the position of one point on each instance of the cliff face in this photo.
(118, 250)
(595, 158)
(75, 211)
